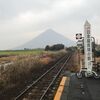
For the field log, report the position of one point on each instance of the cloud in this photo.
(22, 20)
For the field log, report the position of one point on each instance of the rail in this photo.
(38, 89)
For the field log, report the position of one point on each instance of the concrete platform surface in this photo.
(83, 89)
(79, 89)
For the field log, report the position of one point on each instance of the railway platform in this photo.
(72, 88)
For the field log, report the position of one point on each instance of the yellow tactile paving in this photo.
(61, 88)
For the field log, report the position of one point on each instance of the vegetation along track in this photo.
(38, 89)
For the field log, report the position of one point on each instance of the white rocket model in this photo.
(88, 47)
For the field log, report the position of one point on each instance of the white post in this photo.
(88, 46)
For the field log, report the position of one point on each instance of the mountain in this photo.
(49, 37)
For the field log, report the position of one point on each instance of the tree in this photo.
(54, 47)
(47, 48)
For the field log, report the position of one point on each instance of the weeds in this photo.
(24, 67)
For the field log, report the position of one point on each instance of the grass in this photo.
(13, 55)
(24, 67)
(27, 52)
(22, 52)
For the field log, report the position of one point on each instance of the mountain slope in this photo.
(48, 37)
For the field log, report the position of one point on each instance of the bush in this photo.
(97, 53)
(2, 84)
(22, 69)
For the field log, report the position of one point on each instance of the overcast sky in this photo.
(22, 20)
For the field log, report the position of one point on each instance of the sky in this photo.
(23, 20)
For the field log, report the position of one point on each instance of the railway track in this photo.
(39, 88)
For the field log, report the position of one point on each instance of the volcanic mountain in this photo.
(49, 37)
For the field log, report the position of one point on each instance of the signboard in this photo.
(88, 46)
(79, 36)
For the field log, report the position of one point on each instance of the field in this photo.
(12, 55)
(21, 52)
(18, 68)
(8, 56)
